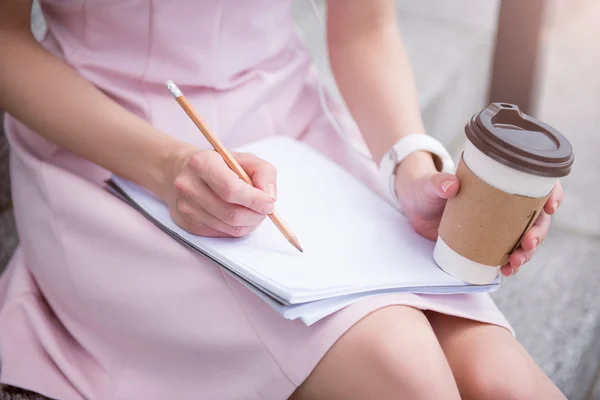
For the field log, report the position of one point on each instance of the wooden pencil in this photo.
(228, 157)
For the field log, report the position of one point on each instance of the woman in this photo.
(97, 303)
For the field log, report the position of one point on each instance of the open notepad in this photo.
(355, 243)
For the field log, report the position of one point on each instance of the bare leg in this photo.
(390, 354)
(488, 362)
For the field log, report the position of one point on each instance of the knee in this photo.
(517, 384)
(482, 386)
(406, 354)
(392, 353)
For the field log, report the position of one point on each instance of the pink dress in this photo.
(97, 303)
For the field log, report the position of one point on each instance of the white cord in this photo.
(317, 13)
(353, 145)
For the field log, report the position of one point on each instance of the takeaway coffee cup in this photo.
(508, 168)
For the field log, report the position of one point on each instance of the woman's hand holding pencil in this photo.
(209, 199)
(219, 193)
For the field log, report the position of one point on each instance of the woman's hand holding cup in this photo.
(423, 193)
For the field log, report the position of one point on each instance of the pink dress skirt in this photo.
(98, 303)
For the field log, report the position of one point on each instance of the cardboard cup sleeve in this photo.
(486, 224)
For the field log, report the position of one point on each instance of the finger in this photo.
(536, 235)
(204, 198)
(195, 228)
(507, 270)
(519, 258)
(199, 219)
(228, 186)
(262, 173)
(516, 261)
(555, 199)
(441, 186)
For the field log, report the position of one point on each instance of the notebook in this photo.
(355, 243)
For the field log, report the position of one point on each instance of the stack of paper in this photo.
(355, 243)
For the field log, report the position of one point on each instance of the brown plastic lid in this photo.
(520, 141)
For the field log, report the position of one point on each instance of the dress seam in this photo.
(216, 66)
(68, 56)
(216, 45)
(147, 65)
(254, 328)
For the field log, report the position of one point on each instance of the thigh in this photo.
(392, 353)
(488, 362)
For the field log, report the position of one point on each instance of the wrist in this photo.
(169, 161)
(415, 166)
(412, 159)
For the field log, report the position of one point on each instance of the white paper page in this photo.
(314, 311)
(353, 240)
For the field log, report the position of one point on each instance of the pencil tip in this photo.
(294, 241)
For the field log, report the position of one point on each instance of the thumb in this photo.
(441, 186)
(262, 173)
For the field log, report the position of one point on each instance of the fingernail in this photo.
(523, 258)
(512, 271)
(268, 208)
(446, 185)
(535, 242)
(271, 191)
(555, 205)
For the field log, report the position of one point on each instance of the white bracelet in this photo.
(400, 150)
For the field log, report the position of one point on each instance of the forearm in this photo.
(372, 71)
(52, 99)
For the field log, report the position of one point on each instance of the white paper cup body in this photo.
(501, 177)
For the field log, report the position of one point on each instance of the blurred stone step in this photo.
(595, 392)
(570, 102)
(570, 84)
(553, 305)
(8, 232)
(4, 173)
(8, 237)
